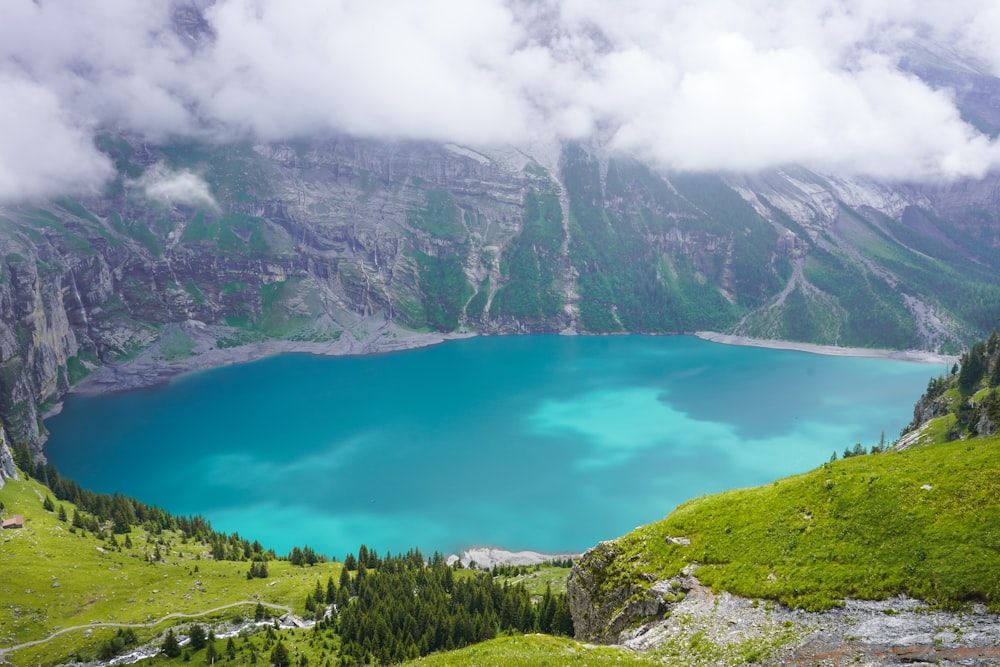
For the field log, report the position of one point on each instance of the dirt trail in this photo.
(286, 609)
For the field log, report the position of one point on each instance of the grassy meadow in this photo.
(54, 578)
(923, 522)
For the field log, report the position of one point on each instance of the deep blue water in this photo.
(530, 442)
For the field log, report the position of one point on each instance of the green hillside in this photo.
(56, 577)
(74, 589)
(536, 650)
(923, 523)
(921, 519)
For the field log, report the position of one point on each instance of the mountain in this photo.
(197, 247)
(204, 239)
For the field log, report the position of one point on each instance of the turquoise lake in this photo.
(549, 443)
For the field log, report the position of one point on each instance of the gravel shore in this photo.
(918, 356)
(152, 367)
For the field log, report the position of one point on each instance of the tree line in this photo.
(107, 515)
(400, 607)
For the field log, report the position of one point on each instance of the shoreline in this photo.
(150, 369)
(485, 558)
(914, 356)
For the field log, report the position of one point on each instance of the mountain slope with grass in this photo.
(80, 583)
(903, 528)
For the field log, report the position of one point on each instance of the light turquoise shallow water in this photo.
(531, 442)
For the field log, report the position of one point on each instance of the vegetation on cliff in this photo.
(964, 403)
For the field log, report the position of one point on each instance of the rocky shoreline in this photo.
(152, 366)
(485, 558)
(917, 356)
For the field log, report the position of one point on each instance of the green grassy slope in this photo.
(536, 650)
(52, 579)
(924, 523)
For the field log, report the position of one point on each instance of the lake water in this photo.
(529, 442)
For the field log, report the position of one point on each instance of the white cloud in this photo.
(43, 149)
(177, 187)
(713, 84)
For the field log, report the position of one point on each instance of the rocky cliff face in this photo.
(327, 240)
(605, 613)
(7, 468)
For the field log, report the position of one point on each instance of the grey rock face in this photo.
(7, 468)
(313, 241)
(604, 611)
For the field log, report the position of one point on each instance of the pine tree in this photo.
(197, 636)
(546, 611)
(279, 656)
(973, 368)
(562, 620)
(331, 591)
(171, 648)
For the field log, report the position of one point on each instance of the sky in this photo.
(703, 85)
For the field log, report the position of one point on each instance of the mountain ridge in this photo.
(329, 240)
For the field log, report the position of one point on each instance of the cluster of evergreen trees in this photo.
(980, 369)
(305, 556)
(980, 366)
(974, 384)
(400, 608)
(117, 514)
(860, 450)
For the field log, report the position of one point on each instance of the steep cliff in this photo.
(7, 468)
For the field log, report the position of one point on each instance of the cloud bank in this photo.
(737, 85)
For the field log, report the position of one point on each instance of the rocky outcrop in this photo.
(989, 415)
(608, 598)
(7, 468)
(929, 407)
(614, 601)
